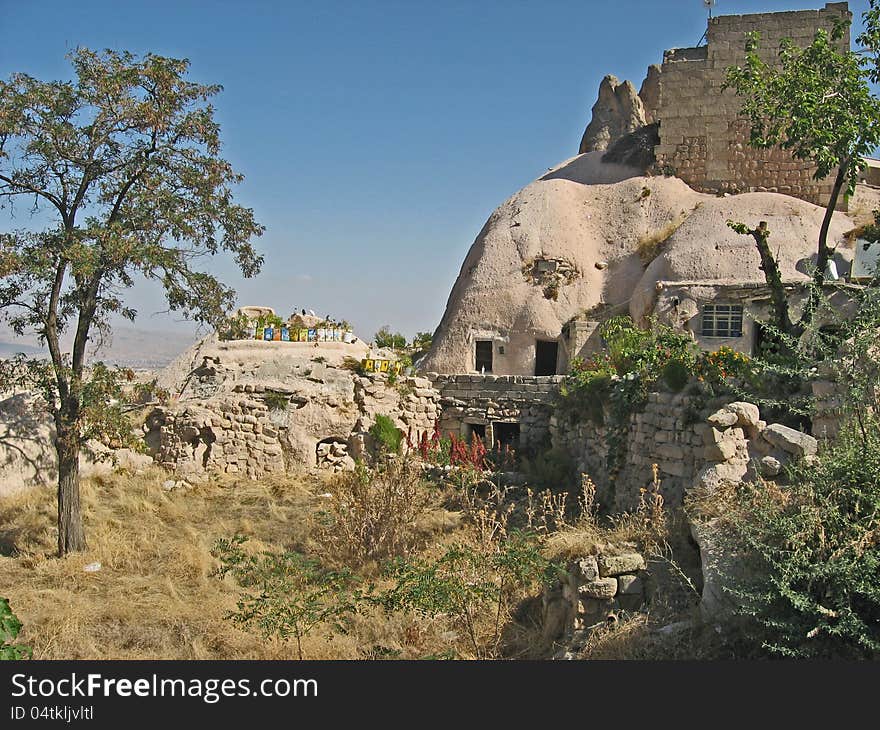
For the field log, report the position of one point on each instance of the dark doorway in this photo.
(546, 353)
(476, 430)
(483, 356)
(506, 434)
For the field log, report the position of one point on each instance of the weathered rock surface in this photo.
(589, 217)
(617, 111)
(256, 408)
(794, 442)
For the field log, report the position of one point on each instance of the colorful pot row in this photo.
(372, 365)
(288, 334)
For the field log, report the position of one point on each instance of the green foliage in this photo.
(276, 401)
(470, 585)
(614, 384)
(235, 327)
(815, 554)
(104, 396)
(268, 320)
(422, 341)
(150, 391)
(385, 338)
(816, 103)
(123, 167)
(675, 375)
(10, 627)
(386, 435)
(286, 594)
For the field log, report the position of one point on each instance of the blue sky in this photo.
(376, 137)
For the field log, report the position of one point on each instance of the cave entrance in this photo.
(546, 354)
(476, 429)
(506, 434)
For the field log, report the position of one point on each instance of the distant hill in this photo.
(129, 346)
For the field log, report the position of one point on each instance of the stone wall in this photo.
(256, 430)
(666, 432)
(693, 442)
(702, 141)
(592, 592)
(485, 400)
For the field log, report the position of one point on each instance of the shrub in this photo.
(10, 627)
(235, 327)
(385, 338)
(815, 554)
(276, 401)
(285, 594)
(675, 375)
(474, 587)
(374, 512)
(352, 364)
(386, 435)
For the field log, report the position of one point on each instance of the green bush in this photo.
(385, 338)
(286, 595)
(276, 401)
(814, 549)
(10, 627)
(474, 587)
(675, 375)
(386, 435)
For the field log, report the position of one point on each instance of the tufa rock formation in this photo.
(596, 217)
(617, 111)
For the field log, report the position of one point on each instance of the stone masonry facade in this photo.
(486, 400)
(702, 139)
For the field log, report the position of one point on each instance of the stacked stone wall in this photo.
(484, 400)
(667, 432)
(702, 139)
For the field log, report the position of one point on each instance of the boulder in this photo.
(723, 418)
(588, 568)
(610, 565)
(599, 588)
(794, 442)
(770, 466)
(747, 414)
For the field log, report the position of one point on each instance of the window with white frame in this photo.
(722, 320)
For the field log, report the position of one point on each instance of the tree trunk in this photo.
(773, 277)
(71, 535)
(824, 251)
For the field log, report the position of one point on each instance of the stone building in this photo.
(702, 140)
(640, 214)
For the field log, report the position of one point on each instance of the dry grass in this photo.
(649, 246)
(156, 595)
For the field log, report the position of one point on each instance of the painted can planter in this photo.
(303, 334)
(268, 333)
(313, 335)
(348, 337)
(285, 334)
